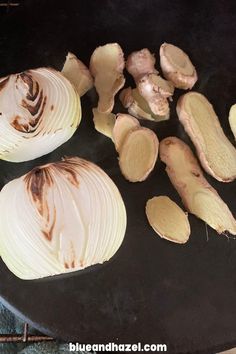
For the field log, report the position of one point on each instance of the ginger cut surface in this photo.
(124, 123)
(177, 67)
(215, 151)
(138, 154)
(167, 219)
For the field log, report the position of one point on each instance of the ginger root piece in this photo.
(164, 87)
(216, 153)
(232, 119)
(154, 89)
(124, 123)
(77, 73)
(141, 63)
(138, 154)
(167, 219)
(177, 67)
(155, 95)
(104, 122)
(107, 65)
(197, 194)
(137, 106)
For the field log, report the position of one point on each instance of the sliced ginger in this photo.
(153, 88)
(167, 219)
(138, 154)
(107, 65)
(160, 85)
(124, 123)
(104, 122)
(216, 153)
(149, 87)
(138, 106)
(198, 196)
(177, 67)
(141, 63)
(77, 73)
(232, 119)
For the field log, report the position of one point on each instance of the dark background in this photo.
(152, 291)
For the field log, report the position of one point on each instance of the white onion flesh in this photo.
(39, 110)
(60, 218)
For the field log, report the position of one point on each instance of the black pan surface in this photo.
(152, 291)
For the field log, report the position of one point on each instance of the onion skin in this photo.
(72, 216)
(40, 110)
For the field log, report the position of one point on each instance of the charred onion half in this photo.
(71, 216)
(39, 110)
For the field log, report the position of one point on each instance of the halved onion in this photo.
(60, 218)
(232, 119)
(39, 111)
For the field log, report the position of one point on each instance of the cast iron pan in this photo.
(152, 291)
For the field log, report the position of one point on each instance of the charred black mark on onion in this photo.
(66, 265)
(42, 108)
(35, 94)
(52, 107)
(36, 178)
(33, 101)
(32, 85)
(38, 183)
(19, 125)
(33, 109)
(28, 124)
(48, 233)
(69, 172)
(3, 83)
(27, 79)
